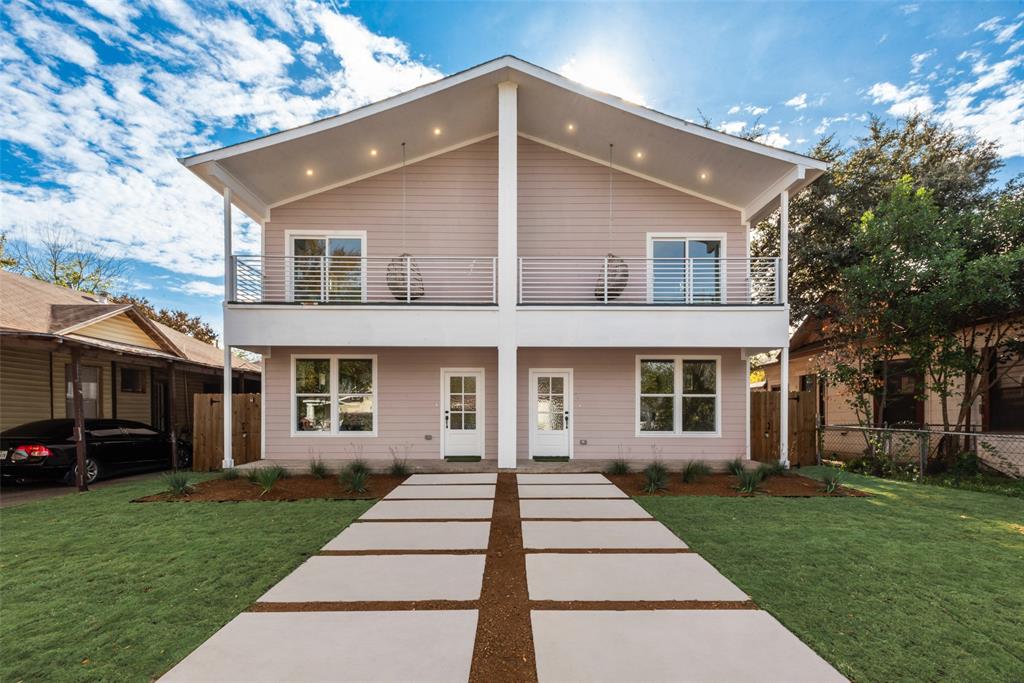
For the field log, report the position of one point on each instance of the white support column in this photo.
(745, 357)
(228, 460)
(784, 246)
(508, 227)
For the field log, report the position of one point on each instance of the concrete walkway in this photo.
(613, 595)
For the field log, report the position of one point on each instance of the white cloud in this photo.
(734, 109)
(917, 60)
(774, 138)
(755, 110)
(732, 127)
(910, 8)
(103, 139)
(798, 102)
(1002, 33)
(911, 98)
(202, 288)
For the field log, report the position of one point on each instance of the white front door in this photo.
(550, 404)
(462, 412)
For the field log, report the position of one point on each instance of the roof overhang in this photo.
(461, 109)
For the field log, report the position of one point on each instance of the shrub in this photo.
(266, 477)
(358, 465)
(178, 483)
(695, 470)
(655, 477)
(399, 468)
(771, 469)
(831, 479)
(617, 467)
(229, 474)
(749, 481)
(318, 469)
(355, 480)
(736, 467)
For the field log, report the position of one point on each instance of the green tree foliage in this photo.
(179, 320)
(957, 169)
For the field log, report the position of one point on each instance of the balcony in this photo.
(360, 280)
(614, 281)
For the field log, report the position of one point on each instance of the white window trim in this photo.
(334, 358)
(677, 397)
(289, 242)
(652, 236)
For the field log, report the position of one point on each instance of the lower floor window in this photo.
(677, 395)
(335, 394)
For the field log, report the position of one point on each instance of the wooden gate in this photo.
(764, 427)
(208, 437)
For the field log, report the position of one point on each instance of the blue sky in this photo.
(98, 98)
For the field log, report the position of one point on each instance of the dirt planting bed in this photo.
(785, 485)
(295, 487)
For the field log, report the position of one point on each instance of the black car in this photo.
(46, 450)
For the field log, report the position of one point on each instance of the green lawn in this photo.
(94, 587)
(916, 583)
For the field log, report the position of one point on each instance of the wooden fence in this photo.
(208, 435)
(764, 427)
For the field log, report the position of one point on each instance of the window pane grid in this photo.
(342, 400)
(677, 395)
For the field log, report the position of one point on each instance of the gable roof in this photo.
(270, 171)
(29, 306)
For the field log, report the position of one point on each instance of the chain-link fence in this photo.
(911, 450)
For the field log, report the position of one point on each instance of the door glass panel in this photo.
(669, 271)
(543, 422)
(469, 421)
(307, 268)
(469, 402)
(456, 402)
(455, 385)
(706, 277)
(557, 422)
(557, 404)
(543, 385)
(557, 385)
(470, 384)
(344, 269)
(543, 404)
(455, 420)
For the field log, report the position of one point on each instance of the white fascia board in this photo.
(789, 180)
(244, 198)
(630, 171)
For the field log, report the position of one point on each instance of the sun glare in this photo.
(604, 73)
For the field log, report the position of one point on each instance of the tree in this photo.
(957, 169)
(7, 261)
(64, 260)
(179, 320)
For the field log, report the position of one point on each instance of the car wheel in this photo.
(92, 472)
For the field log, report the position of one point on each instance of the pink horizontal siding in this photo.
(409, 386)
(409, 397)
(604, 404)
(451, 208)
(563, 209)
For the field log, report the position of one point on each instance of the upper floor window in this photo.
(327, 266)
(685, 269)
(678, 395)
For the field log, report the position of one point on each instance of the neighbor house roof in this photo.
(460, 109)
(34, 308)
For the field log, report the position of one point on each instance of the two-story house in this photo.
(508, 265)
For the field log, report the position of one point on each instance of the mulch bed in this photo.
(295, 487)
(786, 486)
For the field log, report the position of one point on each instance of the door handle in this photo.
(446, 419)
(567, 417)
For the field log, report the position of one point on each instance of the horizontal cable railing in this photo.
(403, 279)
(613, 280)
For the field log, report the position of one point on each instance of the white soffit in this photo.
(273, 170)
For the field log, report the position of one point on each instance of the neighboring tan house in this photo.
(505, 264)
(1000, 409)
(127, 359)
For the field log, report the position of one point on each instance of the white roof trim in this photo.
(492, 66)
(243, 194)
(772, 192)
(630, 171)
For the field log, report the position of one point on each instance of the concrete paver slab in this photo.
(567, 478)
(570, 491)
(453, 478)
(626, 576)
(602, 535)
(430, 509)
(672, 645)
(331, 646)
(442, 491)
(413, 536)
(581, 509)
(381, 577)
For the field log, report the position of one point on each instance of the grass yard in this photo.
(916, 583)
(95, 587)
